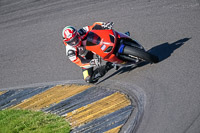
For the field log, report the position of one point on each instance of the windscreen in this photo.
(93, 39)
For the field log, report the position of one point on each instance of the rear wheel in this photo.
(136, 53)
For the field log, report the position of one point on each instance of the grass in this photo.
(26, 121)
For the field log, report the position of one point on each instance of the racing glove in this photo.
(108, 25)
(94, 62)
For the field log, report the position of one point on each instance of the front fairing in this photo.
(103, 43)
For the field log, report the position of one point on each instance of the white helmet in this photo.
(71, 36)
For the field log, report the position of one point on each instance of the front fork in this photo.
(99, 60)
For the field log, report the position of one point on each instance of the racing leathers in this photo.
(84, 58)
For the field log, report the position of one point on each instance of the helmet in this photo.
(71, 36)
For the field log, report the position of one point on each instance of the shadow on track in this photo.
(163, 51)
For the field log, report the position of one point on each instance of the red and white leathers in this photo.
(80, 56)
(77, 54)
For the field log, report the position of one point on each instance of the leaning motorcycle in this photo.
(118, 48)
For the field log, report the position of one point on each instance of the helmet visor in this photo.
(75, 41)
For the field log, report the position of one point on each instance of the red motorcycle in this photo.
(118, 48)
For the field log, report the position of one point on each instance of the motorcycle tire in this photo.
(140, 53)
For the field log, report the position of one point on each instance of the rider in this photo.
(75, 42)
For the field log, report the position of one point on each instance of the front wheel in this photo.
(133, 52)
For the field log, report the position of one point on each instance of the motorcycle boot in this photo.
(109, 66)
(97, 74)
(101, 71)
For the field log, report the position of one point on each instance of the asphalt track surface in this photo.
(31, 52)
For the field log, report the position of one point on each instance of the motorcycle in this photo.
(118, 48)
